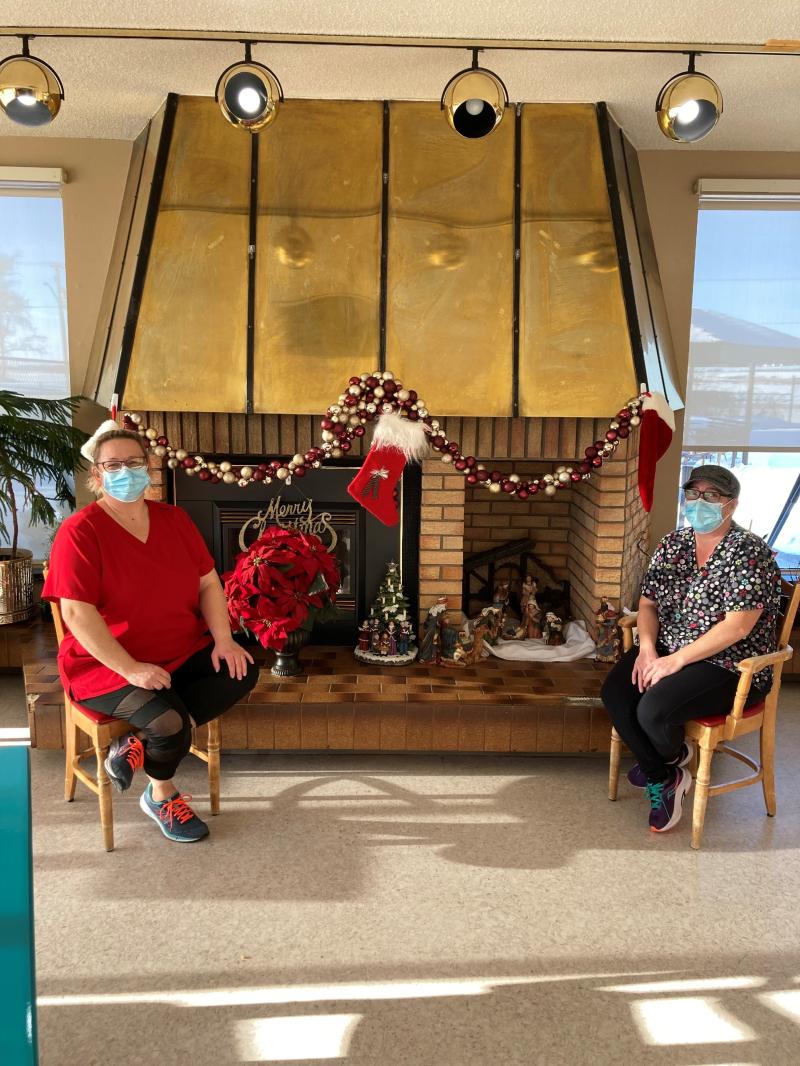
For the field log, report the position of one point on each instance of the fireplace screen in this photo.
(231, 518)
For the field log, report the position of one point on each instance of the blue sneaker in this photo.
(638, 778)
(175, 818)
(666, 800)
(125, 757)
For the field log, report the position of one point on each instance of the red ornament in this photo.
(359, 431)
(188, 462)
(345, 445)
(372, 381)
(496, 476)
(258, 475)
(163, 441)
(438, 442)
(522, 494)
(590, 452)
(350, 401)
(599, 445)
(623, 432)
(327, 423)
(611, 435)
(390, 387)
(216, 479)
(204, 475)
(472, 479)
(575, 476)
(310, 456)
(597, 461)
(299, 471)
(412, 396)
(471, 461)
(461, 464)
(413, 416)
(482, 475)
(355, 381)
(508, 486)
(584, 467)
(453, 447)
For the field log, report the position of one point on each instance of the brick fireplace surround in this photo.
(590, 535)
(594, 534)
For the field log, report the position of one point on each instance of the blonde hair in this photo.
(93, 483)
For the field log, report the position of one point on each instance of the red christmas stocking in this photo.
(375, 483)
(655, 436)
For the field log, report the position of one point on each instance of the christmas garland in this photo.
(366, 399)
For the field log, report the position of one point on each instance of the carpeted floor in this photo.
(418, 911)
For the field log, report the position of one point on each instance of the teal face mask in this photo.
(703, 517)
(125, 485)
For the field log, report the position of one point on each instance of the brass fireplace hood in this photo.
(513, 275)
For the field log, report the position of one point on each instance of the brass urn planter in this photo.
(16, 586)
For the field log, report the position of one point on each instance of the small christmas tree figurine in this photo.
(390, 619)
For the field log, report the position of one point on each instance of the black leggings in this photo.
(162, 715)
(651, 722)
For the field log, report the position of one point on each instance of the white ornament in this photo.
(297, 459)
(379, 392)
(355, 390)
(372, 408)
(200, 460)
(327, 436)
(353, 420)
(334, 409)
(281, 473)
(447, 458)
(151, 433)
(550, 490)
(548, 478)
(514, 477)
(560, 469)
(190, 471)
(173, 464)
(160, 449)
(635, 420)
(403, 395)
(563, 477)
(494, 486)
(243, 481)
(247, 472)
(613, 425)
(229, 477)
(388, 375)
(387, 408)
(225, 467)
(337, 453)
(136, 419)
(181, 453)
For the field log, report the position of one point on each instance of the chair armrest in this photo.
(758, 662)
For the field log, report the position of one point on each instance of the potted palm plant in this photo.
(39, 451)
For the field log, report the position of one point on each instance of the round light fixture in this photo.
(248, 94)
(30, 90)
(688, 106)
(474, 100)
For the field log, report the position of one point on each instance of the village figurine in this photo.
(552, 632)
(374, 636)
(469, 649)
(431, 641)
(530, 626)
(528, 589)
(607, 641)
(392, 634)
(404, 637)
(384, 643)
(363, 636)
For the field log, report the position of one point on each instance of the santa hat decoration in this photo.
(396, 441)
(87, 449)
(655, 436)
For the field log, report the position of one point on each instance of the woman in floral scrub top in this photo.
(710, 598)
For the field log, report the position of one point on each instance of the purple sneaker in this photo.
(666, 800)
(638, 778)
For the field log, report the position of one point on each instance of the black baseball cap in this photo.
(720, 478)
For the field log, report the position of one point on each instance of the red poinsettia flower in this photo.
(286, 580)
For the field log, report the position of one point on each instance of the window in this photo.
(34, 349)
(743, 384)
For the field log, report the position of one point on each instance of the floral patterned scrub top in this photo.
(741, 575)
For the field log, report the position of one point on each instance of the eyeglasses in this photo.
(710, 495)
(113, 465)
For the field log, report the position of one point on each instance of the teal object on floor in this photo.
(18, 1044)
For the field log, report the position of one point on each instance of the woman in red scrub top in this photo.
(149, 639)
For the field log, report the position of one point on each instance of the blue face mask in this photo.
(703, 517)
(125, 485)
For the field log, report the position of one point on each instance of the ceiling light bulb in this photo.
(249, 101)
(687, 112)
(474, 101)
(28, 99)
(474, 107)
(31, 92)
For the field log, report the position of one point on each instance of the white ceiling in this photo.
(113, 86)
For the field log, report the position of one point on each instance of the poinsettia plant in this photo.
(286, 580)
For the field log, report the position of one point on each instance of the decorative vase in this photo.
(16, 586)
(286, 660)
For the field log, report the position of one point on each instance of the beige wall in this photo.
(668, 180)
(92, 197)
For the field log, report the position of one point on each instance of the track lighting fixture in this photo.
(248, 94)
(474, 100)
(689, 105)
(30, 90)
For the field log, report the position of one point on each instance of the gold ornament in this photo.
(247, 472)
(282, 473)
(494, 486)
(229, 477)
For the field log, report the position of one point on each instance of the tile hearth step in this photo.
(341, 705)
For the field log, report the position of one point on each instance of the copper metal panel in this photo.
(575, 352)
(318, 258)
(451, 262)
(189, 352)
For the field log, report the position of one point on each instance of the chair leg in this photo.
(70, 752)
(701, 786)
(213, 764)
(768, 765)
(615, 755)
(104, 798)
(693, 762)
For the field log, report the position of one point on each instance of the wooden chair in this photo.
(101, 730)
(711, 733)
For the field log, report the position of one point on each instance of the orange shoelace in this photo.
(176, 809)
(134, 754)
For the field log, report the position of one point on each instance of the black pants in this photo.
(651, 722)
(162, 715)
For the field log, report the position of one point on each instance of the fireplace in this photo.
(230, 518)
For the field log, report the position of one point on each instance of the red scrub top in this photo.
(147, 594)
